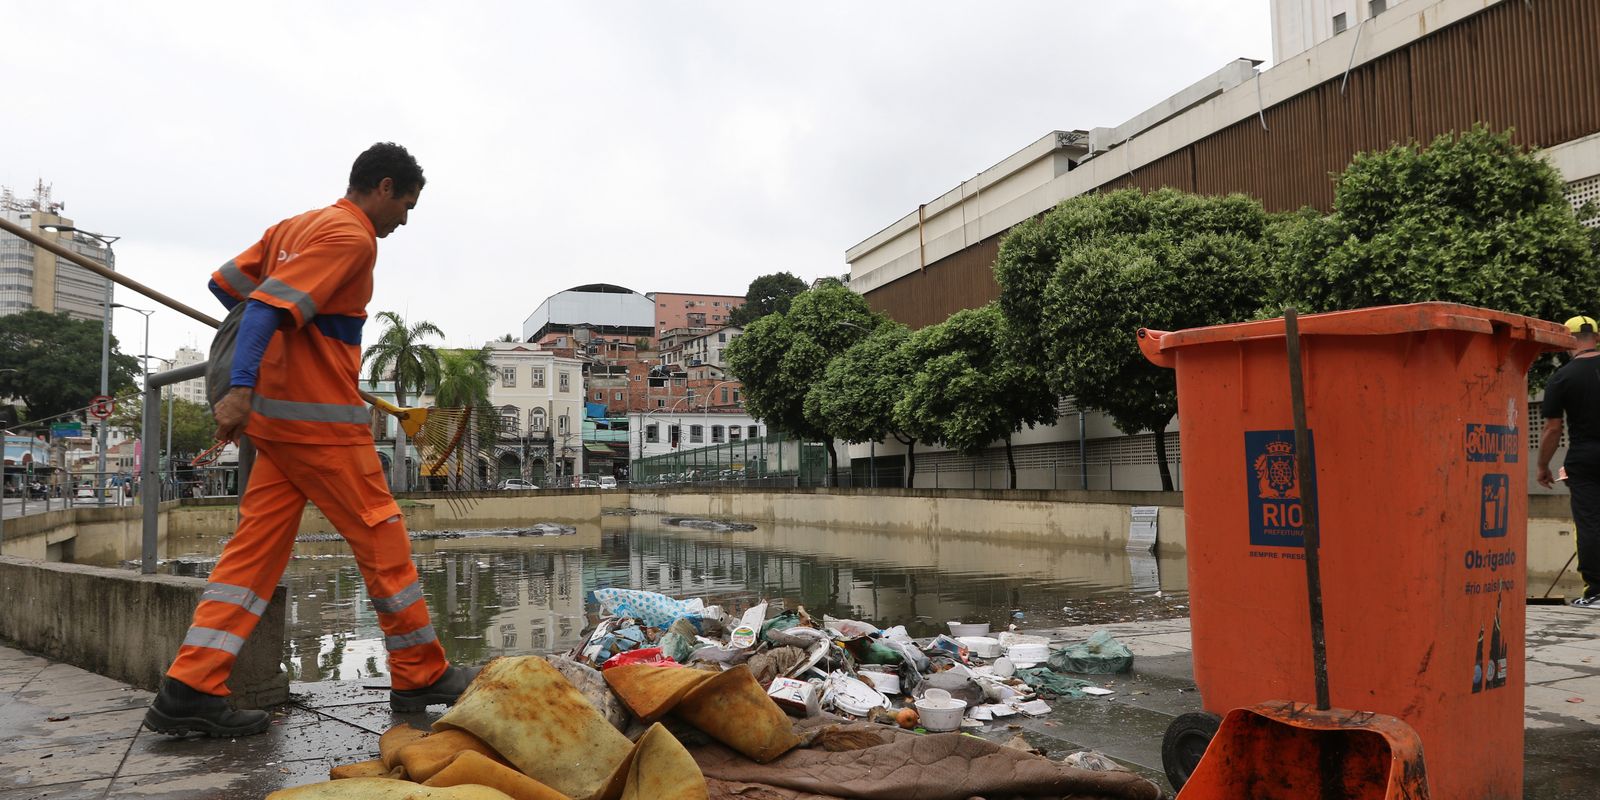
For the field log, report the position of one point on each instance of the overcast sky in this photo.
(664, 146)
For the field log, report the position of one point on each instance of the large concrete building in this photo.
(34, 278)
(540, 398)
(1400, 71)
(611, 311)
(194, 390)
(676, 310)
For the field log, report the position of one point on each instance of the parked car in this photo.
(588, 483)
(608, 482)
(516, 485)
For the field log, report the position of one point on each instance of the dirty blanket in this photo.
(935, 767)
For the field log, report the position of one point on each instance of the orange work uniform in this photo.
(313, 441)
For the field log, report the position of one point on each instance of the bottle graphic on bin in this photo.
(1477, 665)
(1497, 651)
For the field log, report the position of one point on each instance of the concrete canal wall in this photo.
(128, 626)
(1096, 519)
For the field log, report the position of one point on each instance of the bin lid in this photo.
(1378, 321)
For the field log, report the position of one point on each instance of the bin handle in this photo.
(1150, 345)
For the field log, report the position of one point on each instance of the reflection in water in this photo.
(493, 596)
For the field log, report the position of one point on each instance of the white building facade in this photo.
(540, 399)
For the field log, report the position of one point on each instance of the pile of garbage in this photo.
(851, 668)
(672, 699)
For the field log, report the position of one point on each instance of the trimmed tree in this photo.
(855, 400)
(968, 389)
(1471, 218)
(780, 356)
(1126, 260)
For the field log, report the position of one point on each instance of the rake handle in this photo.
(1308, 505)
(176, 305)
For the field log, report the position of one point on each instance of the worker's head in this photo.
(385, 182)
(1585, 330)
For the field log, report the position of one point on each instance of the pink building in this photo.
(706, 311)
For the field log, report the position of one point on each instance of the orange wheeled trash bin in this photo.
(1420, 440)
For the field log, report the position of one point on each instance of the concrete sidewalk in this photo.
(67, 733)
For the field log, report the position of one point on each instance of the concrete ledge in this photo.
(128, 626)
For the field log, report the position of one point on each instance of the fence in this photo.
(772, 460)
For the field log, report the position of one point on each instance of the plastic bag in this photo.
(650, 608)
(848, 628)
(1048, 683)
(644, 655)
(1102, 654)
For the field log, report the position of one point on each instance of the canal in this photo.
(509, 590)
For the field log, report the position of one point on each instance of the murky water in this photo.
(495, 595)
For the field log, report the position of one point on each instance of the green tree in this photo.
(1165, 260)
(193, 429)
(856, 397)
(968, 388)
(403, 353)
(768, 294)
(52, 362)
(1471, 218)
(464, 378)
(781, 355)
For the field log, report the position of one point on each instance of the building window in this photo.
(733, 433)
(538, 378)
(1376, 7)
(697, 434)
(674, 434)
(716, 303)
(1339, 23)
(536, 420)
(690, 396)
(724, 395)
(716, 318)
(618, 398)
(566, 381)
(510, 419)
(652, 433)
(753, 431)
(508, 377)
(599, 395)
(716, 434)
(735, 395)
(660, 403)
(561, 424)
(636, 377)
(722, 337)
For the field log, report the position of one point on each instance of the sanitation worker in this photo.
(293, 390)
(1573, 393)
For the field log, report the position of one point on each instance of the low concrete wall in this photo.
(128, 626)
(1085, 519)
(217, 516)
(456, 510)
(85, 534)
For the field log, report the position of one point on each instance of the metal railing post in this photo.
(151, 501)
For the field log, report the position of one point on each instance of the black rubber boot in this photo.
(441, 692)
(179, 709)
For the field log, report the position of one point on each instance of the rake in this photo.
(440, 432)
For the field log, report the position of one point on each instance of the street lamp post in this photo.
(143, 379)
(105, 346)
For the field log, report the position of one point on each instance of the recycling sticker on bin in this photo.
(1272, 475)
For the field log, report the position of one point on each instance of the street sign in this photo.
(61, 430)
(100, 407)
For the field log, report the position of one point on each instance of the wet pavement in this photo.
(67, 733)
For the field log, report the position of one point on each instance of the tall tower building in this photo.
(193, 390)
(33, 278)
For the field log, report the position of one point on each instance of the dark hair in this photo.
(386, 160)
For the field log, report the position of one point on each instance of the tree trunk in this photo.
(1161, 456)
(397, 468)
(833, 465)
(1011, 462)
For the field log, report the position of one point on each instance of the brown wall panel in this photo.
(1531, 65)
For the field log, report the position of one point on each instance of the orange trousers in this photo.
(346, 482)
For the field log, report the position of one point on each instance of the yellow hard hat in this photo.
(1583, 325)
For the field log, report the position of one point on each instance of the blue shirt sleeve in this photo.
(260, 321)
(228, 302)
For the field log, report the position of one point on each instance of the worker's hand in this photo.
(233, 413)
(1546, 479)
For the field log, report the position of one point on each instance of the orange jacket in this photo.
(317, 267)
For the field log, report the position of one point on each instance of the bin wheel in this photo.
(1185, 742)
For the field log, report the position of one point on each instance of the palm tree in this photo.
(464, 380)
(401, 351)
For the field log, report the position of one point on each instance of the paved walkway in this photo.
(68, 733)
